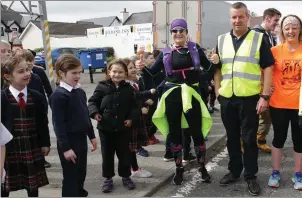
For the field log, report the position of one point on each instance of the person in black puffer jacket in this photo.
(113, 105)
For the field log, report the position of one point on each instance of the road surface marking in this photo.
(189, 186)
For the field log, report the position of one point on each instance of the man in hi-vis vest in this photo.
(241, 54)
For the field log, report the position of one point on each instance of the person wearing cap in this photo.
(242, 54)
(180, 106)
(286, 100)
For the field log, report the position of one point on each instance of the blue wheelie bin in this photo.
(94, 58)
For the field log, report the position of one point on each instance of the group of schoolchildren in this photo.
(122, 104)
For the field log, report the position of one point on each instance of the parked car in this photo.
(40, 59)
(55, 53)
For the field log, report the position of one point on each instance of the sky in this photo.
(72, 11)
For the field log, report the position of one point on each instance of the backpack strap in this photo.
(168, 57)
(168, 60)
(194, 55)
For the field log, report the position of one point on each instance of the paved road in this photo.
(217, 167)
(162, 171)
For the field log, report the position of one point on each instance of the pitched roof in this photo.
(140, 17)
(62, 28)
(10, 15)
(104, 21)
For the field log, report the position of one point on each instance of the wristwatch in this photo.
(265, 97)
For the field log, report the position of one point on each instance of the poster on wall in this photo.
(144, 47)
(94, 32)
(143, 37)
(142, 28)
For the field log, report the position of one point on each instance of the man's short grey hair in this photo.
(239, 5)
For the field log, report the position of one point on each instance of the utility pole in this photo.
(46, 42)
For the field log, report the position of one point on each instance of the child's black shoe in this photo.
(128, 183)
(107, 186)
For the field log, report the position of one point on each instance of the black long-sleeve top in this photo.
(181, 60)
(36, 84)
(46, 84)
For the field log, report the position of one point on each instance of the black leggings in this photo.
(174, 112)
(212, 96)
(152, 128)
(280, 121)
(133, 160)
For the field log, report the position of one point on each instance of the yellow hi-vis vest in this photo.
(241, 73)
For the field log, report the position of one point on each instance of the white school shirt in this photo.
(68, 87)
(16, 92)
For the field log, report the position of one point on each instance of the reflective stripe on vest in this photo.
(241, 73)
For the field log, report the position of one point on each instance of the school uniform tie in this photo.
(135, 86)
(21, 101)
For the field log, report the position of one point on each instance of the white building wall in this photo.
(78, 42)
(121, 39)
(33, 38)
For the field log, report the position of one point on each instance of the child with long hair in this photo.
(72, 125)
(24, 114)
(139, 136)
(113, 105)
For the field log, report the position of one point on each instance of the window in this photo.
(2, 31)
(14, 29)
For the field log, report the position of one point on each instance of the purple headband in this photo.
(179, 22)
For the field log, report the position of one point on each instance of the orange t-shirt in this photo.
(286, 77)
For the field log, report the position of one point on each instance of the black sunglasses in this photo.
(178, 30)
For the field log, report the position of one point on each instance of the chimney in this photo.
(124, 15)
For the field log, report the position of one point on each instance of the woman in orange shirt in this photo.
(284, 103)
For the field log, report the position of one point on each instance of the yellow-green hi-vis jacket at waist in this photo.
(241, 72)
(159, 117)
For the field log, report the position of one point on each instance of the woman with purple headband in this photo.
(181, 107)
